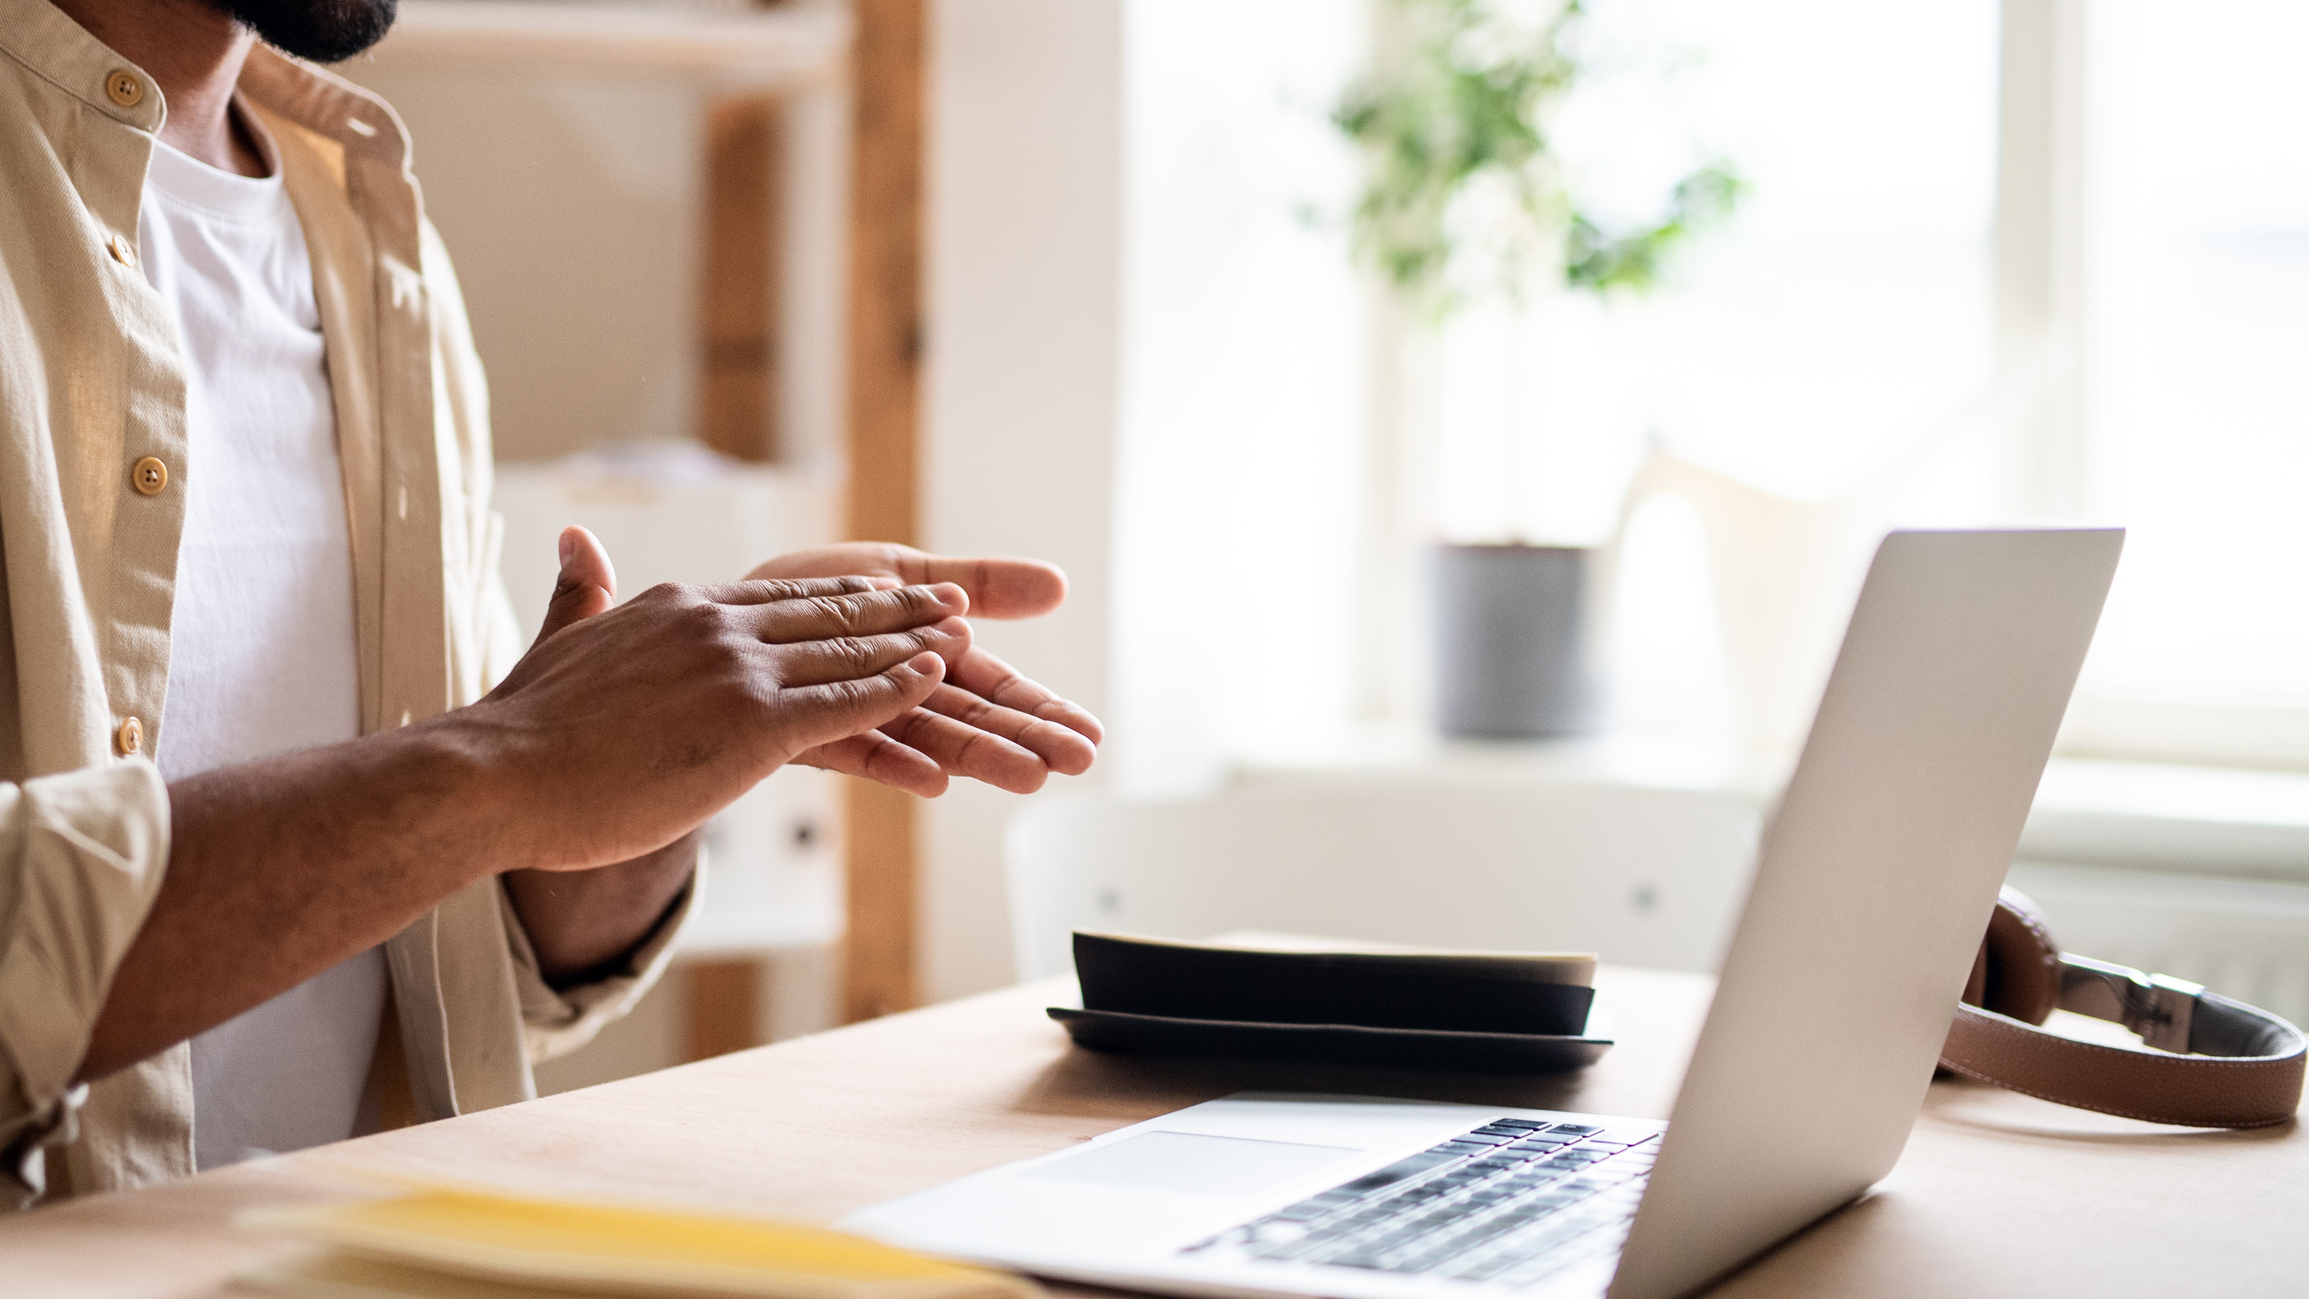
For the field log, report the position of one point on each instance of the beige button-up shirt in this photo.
(92, 472)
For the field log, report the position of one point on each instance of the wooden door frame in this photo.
(880, 966)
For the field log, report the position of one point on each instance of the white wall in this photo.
(1116, 179)
(1025, 120)
(1242, 438)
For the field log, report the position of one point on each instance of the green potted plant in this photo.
(1466, 198)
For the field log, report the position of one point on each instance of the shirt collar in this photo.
(41, 37)
(46, 40)
(325, 103)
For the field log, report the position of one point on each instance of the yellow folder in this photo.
(462, 1244)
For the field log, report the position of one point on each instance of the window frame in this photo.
(2039, 275)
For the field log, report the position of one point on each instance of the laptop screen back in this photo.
(1874, 883)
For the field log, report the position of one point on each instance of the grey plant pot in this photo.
(1511, 643)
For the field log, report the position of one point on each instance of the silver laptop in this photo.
(1872, 887)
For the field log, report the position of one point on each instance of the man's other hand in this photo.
(623, 728)
(985, 721)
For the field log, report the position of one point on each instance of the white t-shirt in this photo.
(262, 657)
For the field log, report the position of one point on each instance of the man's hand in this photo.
(623, 729)
(584, 924)
(985, 720)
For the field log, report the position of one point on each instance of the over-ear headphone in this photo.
(2216, 1063)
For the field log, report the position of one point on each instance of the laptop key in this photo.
(1389, 1243)
(1498, 1215)
(1473, 1250)
(1534, 1244)
(1280, 1250)
(1560, 1254)
(1402, 1170)
(1486, 1269)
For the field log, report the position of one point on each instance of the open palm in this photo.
(986, 721)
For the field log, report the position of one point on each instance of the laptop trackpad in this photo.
(1191, 1164)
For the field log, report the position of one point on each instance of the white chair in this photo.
(1644, 876)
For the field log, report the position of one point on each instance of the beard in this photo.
(319, 31)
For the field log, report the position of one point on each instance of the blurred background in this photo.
(1981, 262)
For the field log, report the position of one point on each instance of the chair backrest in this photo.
(1642, 876)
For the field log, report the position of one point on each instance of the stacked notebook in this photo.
(1277, 997)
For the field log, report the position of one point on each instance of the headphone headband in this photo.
(2215, 1063)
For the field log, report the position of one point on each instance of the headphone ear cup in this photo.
(2018, 970)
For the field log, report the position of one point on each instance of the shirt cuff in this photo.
(557, 1022)
(82, 855)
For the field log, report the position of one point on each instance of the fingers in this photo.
(1054, 747)
(963, 749)
(999, 587)
(956, 732)
(760, 591)
(586, 586)
(849, 658)
(878, 758)
(997, 682)
(817, 617)
(839, 710)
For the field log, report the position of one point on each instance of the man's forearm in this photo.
(280, 869)
(583, 924)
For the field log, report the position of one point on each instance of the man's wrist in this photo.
(585, 926)
(469, 771)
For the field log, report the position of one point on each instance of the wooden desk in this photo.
(1998, 1194)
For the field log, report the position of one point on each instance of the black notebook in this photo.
(1269, 996)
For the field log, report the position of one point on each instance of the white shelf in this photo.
(759, 932)
(2193, 820)
(725, 48)
(1407, 755)
(2240, 824)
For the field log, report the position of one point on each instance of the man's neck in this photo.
(194, 51)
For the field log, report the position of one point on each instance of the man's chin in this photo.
(320, 31)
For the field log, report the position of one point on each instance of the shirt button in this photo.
(125, 87)
(149, 475)
(130, 737)
(123, 251)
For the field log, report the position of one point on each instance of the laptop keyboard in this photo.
(1511, 1203)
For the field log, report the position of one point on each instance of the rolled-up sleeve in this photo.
(555, 1023)
(82, 855)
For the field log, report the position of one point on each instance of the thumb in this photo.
(587, 585)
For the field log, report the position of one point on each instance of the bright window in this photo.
(1841, 316)
(2022, 259)
(2195, 308)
